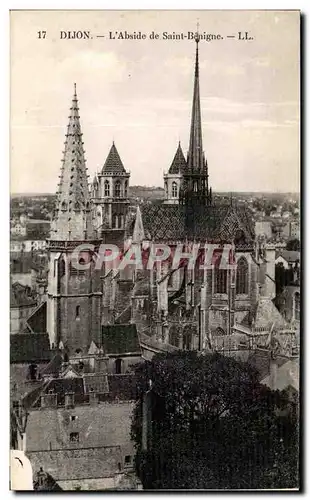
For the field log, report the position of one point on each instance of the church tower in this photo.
(74, 298)
(194, 189)
(173, 178)
(110, 193)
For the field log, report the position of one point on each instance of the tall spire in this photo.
(195, 153)
(72, 213)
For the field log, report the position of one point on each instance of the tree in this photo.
(213, 425)
(293, 244)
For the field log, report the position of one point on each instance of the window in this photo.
(73, 418)
(118, 366)
(127, 460)
(114, 221)
(117, 189)
(166, 188)
(297, 306)
(64, 206)
(126, 188)
(74, 437)
(77, 312)
(220, 280)
(106, 188)
(187, 339)
(242, 277)
(174, 190)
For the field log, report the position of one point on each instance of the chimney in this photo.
(69, 400)
(49, 400)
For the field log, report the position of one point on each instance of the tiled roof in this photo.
(120, 339)
(178, 165)
(177, 222)
(29, 347)
(113, 162)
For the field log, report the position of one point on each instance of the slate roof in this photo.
(120, 339)
(177, 222)
(289, 255)
(178, 165)
(37, 320)
(53, 367)
(29, 347)
(113, 162)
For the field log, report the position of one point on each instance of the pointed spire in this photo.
(178, 165)
(113, 162)
(195, 153)
(72, 217)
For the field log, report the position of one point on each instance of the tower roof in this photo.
(195, 159)
(72, 215)
(178, 165)
(113, 163)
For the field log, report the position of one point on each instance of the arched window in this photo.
(64, 206)
(174, 336)
(220, 280)
(77, 206)
(242, 281)
(106, 188)
(118, 366)
(117, 189)
(297, 306)
(77, 312)
(174, 190)
(114, 221)
(62, 268)
(187, 339)
(126, 189)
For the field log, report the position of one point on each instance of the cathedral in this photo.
(171, 309)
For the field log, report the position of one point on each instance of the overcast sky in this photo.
(139, 94)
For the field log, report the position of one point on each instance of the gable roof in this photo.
(120, 339)
(178, 165)
(178, 222)
(289, 255)
(29, 347)
(113, 162)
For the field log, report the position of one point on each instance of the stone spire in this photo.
(72, 220)
(194, 190)
(178, 165)
(195, 153)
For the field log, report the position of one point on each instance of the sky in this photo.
(138, 93)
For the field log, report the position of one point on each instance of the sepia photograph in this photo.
(155, 250)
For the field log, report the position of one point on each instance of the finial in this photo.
(74, 90)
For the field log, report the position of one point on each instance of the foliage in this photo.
(213, 426)
(293, 245)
